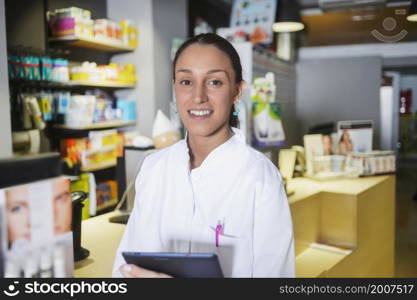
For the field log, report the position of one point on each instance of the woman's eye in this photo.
(185, 82)
(17, 208)
(216, 82)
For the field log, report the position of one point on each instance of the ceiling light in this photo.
(412, 13)
(288, 18)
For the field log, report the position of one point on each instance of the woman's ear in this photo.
(241, 86)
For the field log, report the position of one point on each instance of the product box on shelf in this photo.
(71, 21)
(329, 164)
(107, 30)
(106, 193)
(371, 163)
(112, 73)
(128, 108)
(102, 148)
(129, 33)
(94, 152)
(81, 110)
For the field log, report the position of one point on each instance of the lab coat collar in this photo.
(237, 137)
(237, 132)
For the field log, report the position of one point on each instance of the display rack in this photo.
(109, 84)
(71, 84)
(74, 48)
(98, 167)
(102, 125)
(91, 43)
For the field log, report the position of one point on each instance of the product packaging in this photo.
(267, 124)
(128, 108)
(80, 111)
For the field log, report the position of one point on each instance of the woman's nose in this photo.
(200, 95)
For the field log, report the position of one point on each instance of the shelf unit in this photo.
(108, 84)
(103, 125)
(91, 43)
(72, 131)
(98, 167)
(72, 83)
(73, 48)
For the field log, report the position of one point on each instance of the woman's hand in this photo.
(132, 271)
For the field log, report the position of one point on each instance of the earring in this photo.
(236, 111)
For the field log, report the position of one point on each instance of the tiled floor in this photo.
(406, 223)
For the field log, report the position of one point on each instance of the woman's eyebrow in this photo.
(216, 70)
(208, 72)
(184, 70)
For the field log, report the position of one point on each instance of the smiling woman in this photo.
(211, 192)
(228, 62)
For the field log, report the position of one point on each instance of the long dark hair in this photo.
(224, 46)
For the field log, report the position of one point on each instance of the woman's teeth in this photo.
(200, 112)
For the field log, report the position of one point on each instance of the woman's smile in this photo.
(200, 114)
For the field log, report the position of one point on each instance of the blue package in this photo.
(62, 102)
(128, 108)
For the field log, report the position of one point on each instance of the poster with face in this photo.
(37, 236)
(354, 136)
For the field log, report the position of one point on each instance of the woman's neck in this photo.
(201, 146)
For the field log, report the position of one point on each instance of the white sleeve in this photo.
(130, 241)
(273, 243)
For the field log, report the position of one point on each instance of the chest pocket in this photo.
(229, 247)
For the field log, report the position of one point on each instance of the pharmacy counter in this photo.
(101, 238)
(343, 228)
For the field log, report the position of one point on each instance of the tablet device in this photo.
(185, 265)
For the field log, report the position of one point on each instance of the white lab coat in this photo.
(177, 210)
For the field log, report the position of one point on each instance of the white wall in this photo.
(140, 12)
(158, 22)
(5, 126)
(338, 89)
(392, 55)
(170, 20)
(410, 82)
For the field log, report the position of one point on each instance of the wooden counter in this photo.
(101, 238)
(343, 228)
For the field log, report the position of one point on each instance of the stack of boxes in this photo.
(74, 21)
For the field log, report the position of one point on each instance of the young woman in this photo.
(211, 179)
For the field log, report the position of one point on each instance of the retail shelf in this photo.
(70, 84)
(110, 84)
(101, 149)
(91, 43)
(96, 125)
(107, 205)
(99, 166)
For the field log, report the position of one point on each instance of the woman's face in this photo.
(205, 89)
(62, 206)
(18, 214)
(346, 137)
